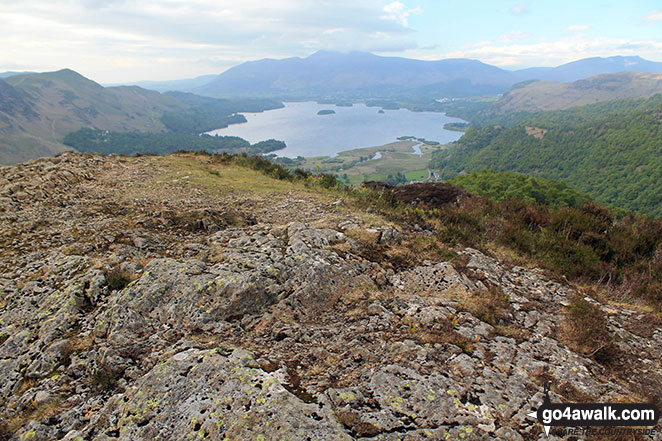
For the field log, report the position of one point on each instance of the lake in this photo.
(308, 134)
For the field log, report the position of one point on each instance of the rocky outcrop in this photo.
(270, 331)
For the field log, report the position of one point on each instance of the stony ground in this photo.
(171, 298)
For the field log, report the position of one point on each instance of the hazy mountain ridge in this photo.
(327, 73)
(537, 96)
(356, 72)
(12, 73)
(172, 85)
(588, 67)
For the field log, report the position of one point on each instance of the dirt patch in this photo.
(536, 132)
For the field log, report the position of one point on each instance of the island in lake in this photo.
(326, 112)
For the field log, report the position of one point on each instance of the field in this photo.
(379, 163)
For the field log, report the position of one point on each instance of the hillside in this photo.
(38, 111)
(537, 96)
(199, 297)
(57, 103)
(617, 159)
(507, 185)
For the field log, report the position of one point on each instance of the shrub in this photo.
(584, 330)
(327, 181)
(491, 306)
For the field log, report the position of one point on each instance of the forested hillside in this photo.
(530, 189)
(204, 114)
(617, 158)
(130, 143)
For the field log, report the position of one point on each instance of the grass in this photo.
(371, 177)
(185, 171)
(218, 177)
(356, 166)
(585, 331)
(33, 412)
(491, 306)
(417, 175)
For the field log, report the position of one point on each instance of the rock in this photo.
(140, 242)
(130, 267)
(255, 317)
(431, 280)
(213, 396)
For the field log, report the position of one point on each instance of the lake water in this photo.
(308, 134)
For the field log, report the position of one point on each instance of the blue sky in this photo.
(114, 41)
(523, 34)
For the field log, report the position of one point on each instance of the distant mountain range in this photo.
(589, 67)
(365, 75)
(358, 74)
(173, 85)
(12, 73)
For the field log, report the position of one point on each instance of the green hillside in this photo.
(205, 114)
(508, 185)
(37, 111)
(56, 103)
(129, 143)
(66, 100)
(617, 159)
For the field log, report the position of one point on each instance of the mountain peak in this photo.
(70, 74)
(325, 53)
(65, 76)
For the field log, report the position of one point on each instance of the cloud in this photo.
(654, 16)
(577, 28)
(513, 36)
(520, 9)
(163, 39)
(398, 11)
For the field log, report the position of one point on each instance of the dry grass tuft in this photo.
(35, 412)
(584, 330)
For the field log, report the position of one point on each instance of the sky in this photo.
(116, 41)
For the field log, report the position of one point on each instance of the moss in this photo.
(28, 435)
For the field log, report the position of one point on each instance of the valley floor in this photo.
(353, 167)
